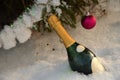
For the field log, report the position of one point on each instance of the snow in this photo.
(8, 37)
(114, 6)
(44, 57)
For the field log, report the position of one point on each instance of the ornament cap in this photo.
(88, 13)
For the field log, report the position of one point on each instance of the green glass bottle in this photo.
(80, 58)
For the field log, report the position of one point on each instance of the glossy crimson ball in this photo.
(88, 21)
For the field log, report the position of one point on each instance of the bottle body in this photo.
(80, 60)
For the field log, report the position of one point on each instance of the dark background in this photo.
(11, 9)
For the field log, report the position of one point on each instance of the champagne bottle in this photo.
(80, 58)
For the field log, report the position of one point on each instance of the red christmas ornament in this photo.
(88, 21)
